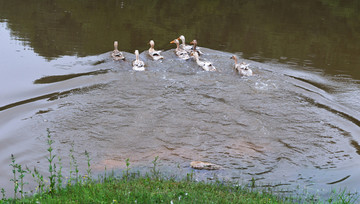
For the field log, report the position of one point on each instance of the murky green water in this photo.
(296, 122)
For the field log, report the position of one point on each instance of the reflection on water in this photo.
(290, 124)
(320, 33)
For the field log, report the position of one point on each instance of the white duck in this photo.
(183, 45)
(155, 54)
(180, 52)
(116, 54)
(242, 68)
(138, 65)
(207, 66)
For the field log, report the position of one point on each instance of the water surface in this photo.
(295, 123)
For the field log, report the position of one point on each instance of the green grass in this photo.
(130, 187)
(147, 189)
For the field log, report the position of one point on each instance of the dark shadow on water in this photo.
(356, 146)
(340, 113)
(53, 79)
(340, 180)
(52, 96)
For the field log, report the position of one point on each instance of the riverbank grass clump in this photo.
(150, 190)
(132, 187)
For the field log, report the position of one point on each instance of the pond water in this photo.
(294, 123)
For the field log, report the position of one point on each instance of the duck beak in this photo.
(172, 41)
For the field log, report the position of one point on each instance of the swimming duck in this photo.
(138, 65)
(183, 45)
(180, 52)
(195, 48)
(116, 54)
(242, 68)
(207, 66)
(155, 54)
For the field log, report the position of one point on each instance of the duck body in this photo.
(154, 54)
(189, 48)
(242, 68)
(207, 66)
(195, 48)
(138, 65)
(116, 54)
(183, 45)
(180, 52)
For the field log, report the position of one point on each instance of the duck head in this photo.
(152, 43)
(176, 41)
(234, 58)
(194, 42)
(182, 38)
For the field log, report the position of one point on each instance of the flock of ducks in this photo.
(184, 52)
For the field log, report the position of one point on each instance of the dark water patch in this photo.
(43, 111)
(356, 146)
(328, 108)
(340, 180)
(264, 172)
(277, 185)
(324, 87)
(53, 79)
(52, 96)
(282, 158)
(47, 96)
(99, 62)
(222, 100)
(288, 145)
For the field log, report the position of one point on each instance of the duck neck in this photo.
(182, 41)
(152, 45)
(177, 46)
(194, 47)
(235, 58)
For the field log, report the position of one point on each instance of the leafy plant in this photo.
(73, 163)
(21, 176)
(14, 179)
(127, 168)
(3, 193)
(59, 175)
(88, 170)
(253, 182)
(52, 165)
(154, 171)
(39, 179)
